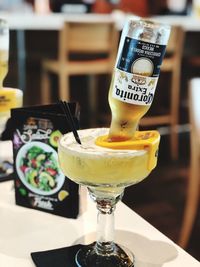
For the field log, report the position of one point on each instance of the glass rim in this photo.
(91, 152)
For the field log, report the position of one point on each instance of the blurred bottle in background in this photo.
(4, 50)
(9, 97)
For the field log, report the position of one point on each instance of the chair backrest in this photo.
(172, 64)
(88, 38)
(175, 45)
(162, 114)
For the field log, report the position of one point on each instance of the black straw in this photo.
(70, 120)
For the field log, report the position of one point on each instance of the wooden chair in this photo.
(191, 204)
(171, 64)
(93, 44)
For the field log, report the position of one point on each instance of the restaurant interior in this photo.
(53, 56)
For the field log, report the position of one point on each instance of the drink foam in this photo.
(88, 146)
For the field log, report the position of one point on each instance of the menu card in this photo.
(39, 181)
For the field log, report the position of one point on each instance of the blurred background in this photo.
(161, 198)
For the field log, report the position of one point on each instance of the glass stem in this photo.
(106, 204)
(105, 227)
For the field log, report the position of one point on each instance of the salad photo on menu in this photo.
(37, 167)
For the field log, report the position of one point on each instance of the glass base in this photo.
(88, 257)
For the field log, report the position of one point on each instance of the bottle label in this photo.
(137, 71)
(7, 100)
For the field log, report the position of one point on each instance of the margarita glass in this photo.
(106, 172)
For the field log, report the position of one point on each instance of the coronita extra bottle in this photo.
(141, 50)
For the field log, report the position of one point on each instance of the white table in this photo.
(54, 21)
(25, 230)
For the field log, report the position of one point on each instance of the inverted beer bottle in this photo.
(141, 50)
